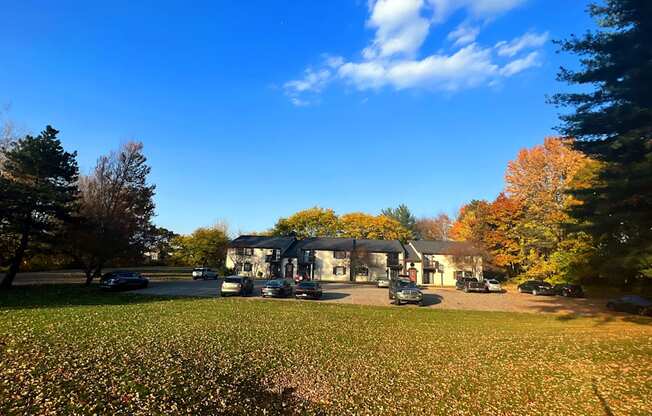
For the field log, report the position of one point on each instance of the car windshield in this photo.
(232, 280)
(406, 283)
(274, 283)
(308, 285)
(546, 284)
(127, 274)
(493, 282)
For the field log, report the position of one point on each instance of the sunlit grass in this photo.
(66, 349)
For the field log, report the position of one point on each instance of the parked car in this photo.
(473, 285)
(203, 273)
(382, 281)
(461, 282)
(632, 304)
(404, 291)
(536, 287)
(573, 291)
(237, 285)
(493, 285)
(277, 288)
(308, 289)
(122, 280)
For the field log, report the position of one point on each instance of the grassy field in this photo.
(67, 349)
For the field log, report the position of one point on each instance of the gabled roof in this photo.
(258, 241)
(411, 255)
(444, 247)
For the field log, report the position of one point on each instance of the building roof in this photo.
(411, 255)
(343, 244)
(444, 247)
(259, 241)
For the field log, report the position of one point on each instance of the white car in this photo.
(493, 285)
(382, 282)
(203, 273)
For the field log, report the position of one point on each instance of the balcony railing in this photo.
(392, 261)
(273, 258)
(307, 257)
(430, 264)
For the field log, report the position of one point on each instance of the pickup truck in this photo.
(473, 285)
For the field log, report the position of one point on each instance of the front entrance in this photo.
(289, 271)
(413, 274)
(427, 277)
(275, 270)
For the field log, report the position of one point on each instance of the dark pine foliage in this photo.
(38, 192)
(612, 121)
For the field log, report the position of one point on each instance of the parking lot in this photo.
(438, 298)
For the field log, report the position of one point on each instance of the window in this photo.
(340, 254)
(244, 251)
(246, 267)
(363, 271)
(468, 274)
(392, 258)
(339, 271)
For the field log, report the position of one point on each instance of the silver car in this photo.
(493, 285)
(237, 285)
(203, 273)
(382, 281)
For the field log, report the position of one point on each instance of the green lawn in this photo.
(66, 349)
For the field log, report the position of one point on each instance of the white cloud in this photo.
(467, 67)
(476, 8)
(400, 29)
(519, 65)
(463, 35)
(527, 41)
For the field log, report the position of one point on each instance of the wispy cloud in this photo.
(527, 41)
(394, 57)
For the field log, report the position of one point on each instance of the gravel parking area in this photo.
(437, 298)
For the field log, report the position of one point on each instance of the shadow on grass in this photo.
(333, 295)
(569, 309)
(431, 299)
(60, 295)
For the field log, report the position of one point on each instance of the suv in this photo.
(237, 285)
(203, 273)
(404, 291)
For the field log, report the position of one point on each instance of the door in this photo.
(426, 278)
(289, 270)
(413, 274)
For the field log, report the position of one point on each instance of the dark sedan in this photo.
(119, 280)
(571, 291)
(536, 287)
(308, 290)
(278, 288)
(632, 304)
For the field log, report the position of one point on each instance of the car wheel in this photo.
(535, 293)
(520, 290)
(466, 290)
(398, 302)
(641, 311)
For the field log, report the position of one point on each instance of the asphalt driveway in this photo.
(440, 298)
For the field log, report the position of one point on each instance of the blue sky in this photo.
(254, 110)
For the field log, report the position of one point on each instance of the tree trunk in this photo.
(88, 271)
(15, 262)
(98, 270)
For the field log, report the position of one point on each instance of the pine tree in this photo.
(612, 122)
(38, 192)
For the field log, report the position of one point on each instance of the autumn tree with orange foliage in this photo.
(382, 227)
(526, 230)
